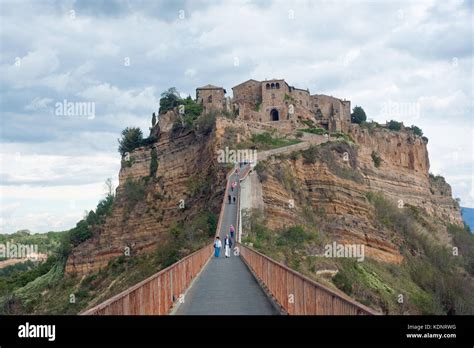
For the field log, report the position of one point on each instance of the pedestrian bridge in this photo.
(247, 283)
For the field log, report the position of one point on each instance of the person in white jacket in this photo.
(217, 247)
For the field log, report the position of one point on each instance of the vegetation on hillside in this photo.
(20, 279)
(266, 141)
(358, 115)
(46, 242)
(132, 138)
(61, 294)
(433, 278)
(376, 159)
(188, 109)
(314, 130)
(394, 125)
(339, 156)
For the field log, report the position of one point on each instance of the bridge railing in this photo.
(157, 294)
(296, 293)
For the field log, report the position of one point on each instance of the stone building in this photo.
(276, 101)
(211, 97)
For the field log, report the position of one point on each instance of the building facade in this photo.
(276, 101)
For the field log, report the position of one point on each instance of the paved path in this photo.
(226, 286)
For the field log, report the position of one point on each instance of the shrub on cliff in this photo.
(358, 115)
(153, 162)
(394, 125)
(205, 123)
(416, 130)
(464, 240)
(294, 236)
(314, 130)
(169, 100)
(266, 141)
(132, 137)
(376, 159)
(133, 192)
(84, 228)
(192, 110)
(261, 170)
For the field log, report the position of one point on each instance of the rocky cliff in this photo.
(330, 184)
(188, 181)
(403, 173)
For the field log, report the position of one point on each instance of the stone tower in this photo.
(211, 97)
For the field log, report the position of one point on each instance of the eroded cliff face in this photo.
(404, 171)
(335, 186)
(187, 171)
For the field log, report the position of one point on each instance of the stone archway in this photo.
(274, 115)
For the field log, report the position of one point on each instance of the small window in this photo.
(268, 86)
(277, 85)
(273, 95)
(209, 99)
(273, 85)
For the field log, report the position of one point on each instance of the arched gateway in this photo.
(274, 115)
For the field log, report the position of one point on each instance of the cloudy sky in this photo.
(409, 61)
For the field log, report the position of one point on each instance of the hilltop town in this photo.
(276, 101)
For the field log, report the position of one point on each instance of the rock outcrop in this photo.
(186, 163)
(404, 171)
(336, 184)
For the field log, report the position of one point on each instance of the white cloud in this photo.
(38, 104)
(122, 100)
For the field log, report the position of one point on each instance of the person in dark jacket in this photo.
(227, 246)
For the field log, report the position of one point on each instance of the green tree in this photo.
(394, 125)
(358, 115)
(192, 110)
(153, 163)
(417, 130)
(169, 100)
(132, 137)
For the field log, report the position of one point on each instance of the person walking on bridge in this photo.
(232, 232)
(217, 247)
(227, 245)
